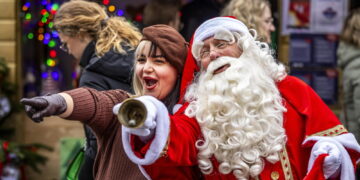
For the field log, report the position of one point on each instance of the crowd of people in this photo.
(219, 107)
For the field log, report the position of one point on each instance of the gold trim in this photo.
(285, 163)
(335, 131)
(166, 147)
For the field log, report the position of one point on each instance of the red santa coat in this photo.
(307, 115)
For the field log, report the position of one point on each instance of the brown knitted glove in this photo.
(43, 106)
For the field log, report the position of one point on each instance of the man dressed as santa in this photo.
(256, 122)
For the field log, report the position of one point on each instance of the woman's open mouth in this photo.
(150, 83)
(221, 69)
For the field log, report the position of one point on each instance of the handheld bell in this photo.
(132, 113)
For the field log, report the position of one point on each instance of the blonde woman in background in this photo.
(104, 48)
(255, 14)
(349, 61)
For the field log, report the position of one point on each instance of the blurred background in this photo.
(31, 63)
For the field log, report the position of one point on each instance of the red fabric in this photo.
(23, 173)
(231, 17)
(307, 103)
(306, 115)
(316, 172)
(180, 161)
(190, 68)
(187, 131)
(1, 168)
(354, 155)
(306, 112)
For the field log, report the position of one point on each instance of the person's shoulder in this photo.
(113, 65)
(112, 54)
(294, 90)
(292, 81)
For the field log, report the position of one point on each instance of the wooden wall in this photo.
(8, 34)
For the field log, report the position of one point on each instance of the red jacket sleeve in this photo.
(180, 149)
(319, 119)
(184, 133)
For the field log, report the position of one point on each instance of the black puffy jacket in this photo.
(111, 71)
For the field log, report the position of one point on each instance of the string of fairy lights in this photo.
(41, 23)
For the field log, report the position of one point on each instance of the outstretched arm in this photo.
(44, 106)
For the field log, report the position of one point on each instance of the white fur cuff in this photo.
(159, 141)
(341, 142)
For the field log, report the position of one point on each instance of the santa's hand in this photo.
(332, 162)
(146, 131)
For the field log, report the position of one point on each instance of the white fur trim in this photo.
(220, 34)
(342, 141)
(116, 108)
(225, 35)
(195, 50)
(176, 108)
(142, 170)
(159, 142)
(210, 27)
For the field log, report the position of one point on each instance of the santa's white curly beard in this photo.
(240, 114)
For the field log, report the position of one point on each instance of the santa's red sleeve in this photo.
(320, 122)
(173, 146)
